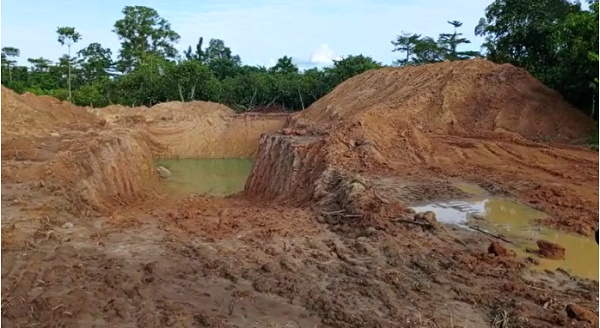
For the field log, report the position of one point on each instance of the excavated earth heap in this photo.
(463, 97)
(474, 119)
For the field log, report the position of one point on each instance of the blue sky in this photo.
(312, 32)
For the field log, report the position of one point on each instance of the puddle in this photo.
(454, 212)
(217, 177)
(516, 222)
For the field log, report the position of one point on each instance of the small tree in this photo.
(68, 36)
(449, 43)
(10, 52)
(427, 51)
(198, 55)
(284, 65)
(405, 43)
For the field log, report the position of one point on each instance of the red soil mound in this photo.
(472, 120)
(452, 97)
(30, 114)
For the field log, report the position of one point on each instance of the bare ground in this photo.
(211, 262)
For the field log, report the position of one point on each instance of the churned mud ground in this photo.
(322, 235)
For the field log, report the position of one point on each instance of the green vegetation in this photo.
(555, 40)
(417, 50)
(68, 36)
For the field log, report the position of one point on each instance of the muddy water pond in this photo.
(517, 222)
(217, 177)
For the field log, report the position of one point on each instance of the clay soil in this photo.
(322, 236)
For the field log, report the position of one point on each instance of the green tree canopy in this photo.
(449, 43)
(142, 31)
(9, 54)
(552, 39)
(350, 66)
(95, 62)
(284, 65)
(406, 44)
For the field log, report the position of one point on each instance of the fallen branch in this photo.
(241, 107)
(331, 213)
(252, 99)
(476, 228)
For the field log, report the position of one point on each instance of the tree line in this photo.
(555, 40)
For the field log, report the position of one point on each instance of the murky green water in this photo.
(517, 223)
(218, 177)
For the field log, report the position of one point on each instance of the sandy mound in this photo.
(389, 117)
(197, 129)
(39, 115)
(29, 120)
(453, 97)
(174, 111)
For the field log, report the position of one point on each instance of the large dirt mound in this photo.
(30, 114)
(452, 97)
(29, 120)
(473, 120)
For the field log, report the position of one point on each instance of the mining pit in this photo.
(407, 197)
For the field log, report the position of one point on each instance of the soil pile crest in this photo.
(29, 114)
(465, 97)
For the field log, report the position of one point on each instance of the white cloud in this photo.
(323, 55)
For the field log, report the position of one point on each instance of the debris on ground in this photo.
(580, 313)
(497, 249)
(550, 250)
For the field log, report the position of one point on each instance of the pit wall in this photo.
(294, 170)
(286, 168)
(235, 136)
(103, 171)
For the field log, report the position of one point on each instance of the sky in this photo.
(312, 32)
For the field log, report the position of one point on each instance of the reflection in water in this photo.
(517, 223)
(454, 211)
(218, 177)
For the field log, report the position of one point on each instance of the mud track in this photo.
(319, 238)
